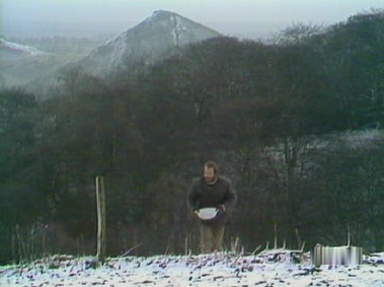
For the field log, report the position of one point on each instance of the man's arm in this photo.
(230, 198)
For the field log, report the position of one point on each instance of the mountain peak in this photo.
(152, 39)
(159, 14)
(176, 24)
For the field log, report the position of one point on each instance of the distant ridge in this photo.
(15, 48)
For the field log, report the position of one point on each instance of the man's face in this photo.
(209, 174)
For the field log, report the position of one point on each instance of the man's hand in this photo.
(221, 214)
(221, 207)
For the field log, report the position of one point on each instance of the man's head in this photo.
(210, 172)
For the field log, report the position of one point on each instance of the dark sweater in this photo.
(212, 195)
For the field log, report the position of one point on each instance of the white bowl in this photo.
(207, 213)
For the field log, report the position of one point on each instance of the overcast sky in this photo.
(227, 16)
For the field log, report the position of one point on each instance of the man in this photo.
(212, 190)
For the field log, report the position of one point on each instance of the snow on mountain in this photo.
(219, 269)
(19, 49)
(150, 40)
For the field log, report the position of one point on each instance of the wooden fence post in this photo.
(101, 220)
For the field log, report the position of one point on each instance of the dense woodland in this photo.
(297, 125)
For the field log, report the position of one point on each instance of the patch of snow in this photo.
(219, 269)
(178, 30)
(175, 32)
(119, 49)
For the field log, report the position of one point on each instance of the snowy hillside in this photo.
(150, 40)
(18, 49)
(265, 269)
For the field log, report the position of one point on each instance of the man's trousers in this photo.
(211, 238)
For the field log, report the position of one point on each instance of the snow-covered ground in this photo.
(266, 269)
